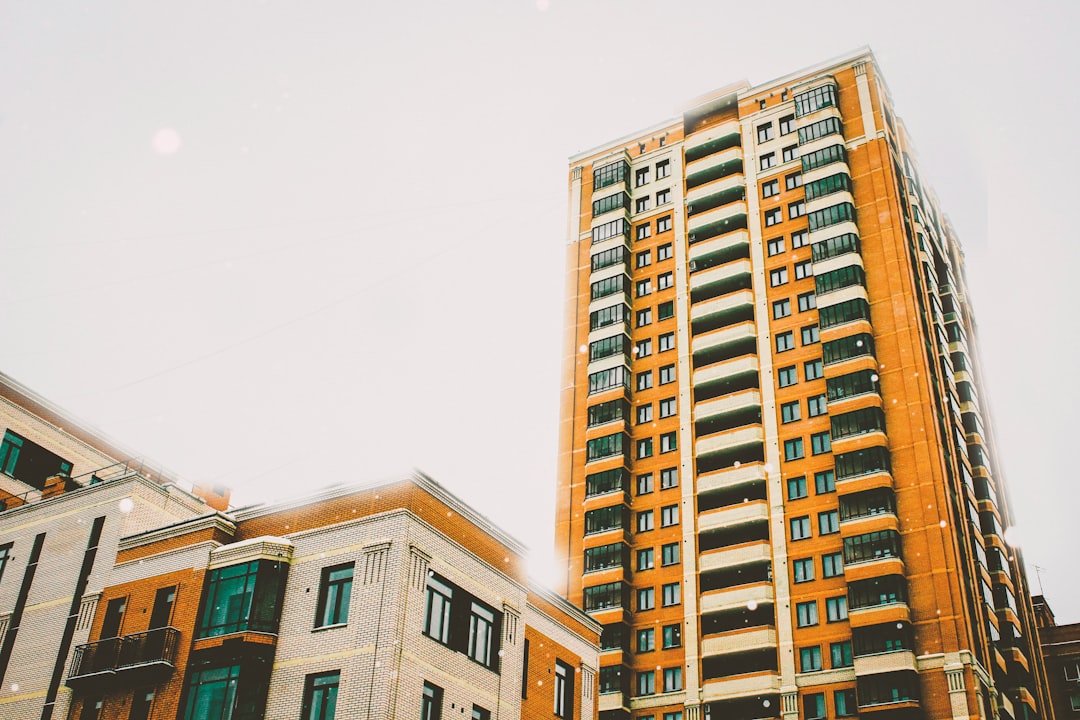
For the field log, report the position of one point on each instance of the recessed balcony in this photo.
(739, 641)
(735, 556)
(878, 567)
(717, 217)
(720, 280)
(733, 477)
(742, 596)
(715, 194)
(728, 442)
(719, 250)
(711, 141)
(715, 167)
(885, 662)
(715, 313)
(733, 515)
(740, 686)
(734, 406)
(896, 611)
(612, 702)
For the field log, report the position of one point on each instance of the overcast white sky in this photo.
(344, 254)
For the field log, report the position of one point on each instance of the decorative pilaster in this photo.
(511, 620)
(954, 675)
(375, 563)
(418, 567)
(789, 705)
(588, 692)
(862, 85)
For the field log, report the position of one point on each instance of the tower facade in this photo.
(777, 490)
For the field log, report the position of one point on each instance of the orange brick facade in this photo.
(771, 432)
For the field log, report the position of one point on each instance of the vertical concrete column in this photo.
(688, 482)
(774, 482)
(573, 222)
(862, 85)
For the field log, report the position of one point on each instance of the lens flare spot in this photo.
(166, 141)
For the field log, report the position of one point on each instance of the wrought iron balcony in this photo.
(136, 658)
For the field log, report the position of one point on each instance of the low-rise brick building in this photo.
(128, 594)
(68, 493)
(394, 600)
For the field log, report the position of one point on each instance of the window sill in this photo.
(321, 628)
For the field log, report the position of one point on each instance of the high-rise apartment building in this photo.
(777, 490)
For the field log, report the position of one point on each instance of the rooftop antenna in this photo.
(1038, 576)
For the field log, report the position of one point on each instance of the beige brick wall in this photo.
(83, 457)
(381, 653)
(66, 521)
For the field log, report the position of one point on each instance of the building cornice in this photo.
(215, 521)
(84, 494)
(80, 431)
(415, 477)
(740, 89)
(847, 58)
(625, 139)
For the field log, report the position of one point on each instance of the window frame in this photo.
(802, 570)
(832, 565)
(564, 690)
(806, 614)
(669, 554)
(810, 659)
(337, 591)
(836, 609)
(316, 704)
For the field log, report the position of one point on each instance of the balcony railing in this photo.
(105, 659)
